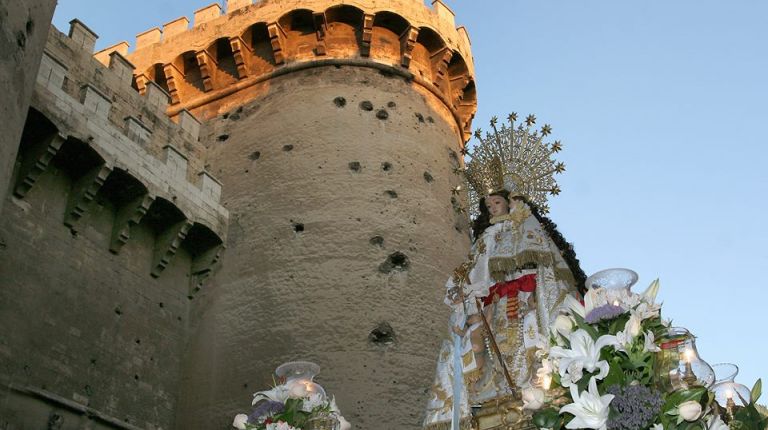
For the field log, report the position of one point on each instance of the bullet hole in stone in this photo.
(88, 390)
(93, 362)
(161, 304)
(298, 227)
(391, 105)
(397, 262)
(225, 116)
(382, 114)
(245, 385)
(431, 120)
(386, 73)
(21, 39)
(255, 155)
(420, 117)
(428, 177)
(30, 26)
(287, 148)
(223, 138)
(136, 377)
(366, 105)
(118, 311)
(55, 421)
(234, 117)
(138, 341)
(383, 334)
(239, 110)
(377, 241)
(190, 297)
(246, 170)
(454, 158)
(338, 66)
(340, 102)
(386, 166)
(178, 318)
(392, 194)
(355, 166)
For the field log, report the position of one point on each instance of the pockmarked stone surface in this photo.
(261, 183)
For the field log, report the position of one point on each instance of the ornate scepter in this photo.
(495, 347)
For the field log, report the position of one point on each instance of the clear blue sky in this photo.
(663, 109)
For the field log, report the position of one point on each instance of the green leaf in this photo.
(757, 390)
(546, 418)
(586, 327)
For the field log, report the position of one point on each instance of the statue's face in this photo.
(497, 205)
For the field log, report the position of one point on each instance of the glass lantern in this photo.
(730, 396)
(725, 372)
(612, 279)
(298, 378)
(678, 365)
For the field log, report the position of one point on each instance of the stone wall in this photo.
(23, 30)
(109, 231)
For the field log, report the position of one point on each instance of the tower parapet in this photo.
(204, 65)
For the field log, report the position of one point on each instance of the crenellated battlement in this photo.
(223, 53)
(110, 136)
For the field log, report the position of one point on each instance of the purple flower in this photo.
(265, 408)
(604, 312)
(634, 407)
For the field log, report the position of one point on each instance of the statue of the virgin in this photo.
(504, 296)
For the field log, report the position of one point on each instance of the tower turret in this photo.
(336, 130)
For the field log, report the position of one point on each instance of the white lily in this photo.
(715, 423)
(277, 394)
(649, 295)
(344, 424)
(584, 354)
(575, 306)
(657, 427)
(689, 411)
(314, 400)
(645, 310)
(280, 425)
(240, 421)
(563, 326)
(589, 408)
(533, 398)
(650, 343)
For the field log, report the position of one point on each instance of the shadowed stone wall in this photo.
(23, 30)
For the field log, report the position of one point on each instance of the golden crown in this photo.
(516, 159)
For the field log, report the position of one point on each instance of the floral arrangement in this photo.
(600, 370)
(295, 405)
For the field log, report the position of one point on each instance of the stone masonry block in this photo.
(95, 101)
(137, 131)
(104, 55)
(175, 162)
(444, 13)
(233, 5)
(148, 37)
(83, 36)
(210, 186)
(177, 26)
(51, 73)
(156, 96)
(207, 13)
(122, 67)
(189, 123)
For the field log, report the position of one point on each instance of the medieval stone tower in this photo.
(270, 182)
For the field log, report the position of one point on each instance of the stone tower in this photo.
(280, 184)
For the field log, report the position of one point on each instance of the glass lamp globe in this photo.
(679, 365)
(298, 378)
(612, 279)
(729, 396)
(725, 372)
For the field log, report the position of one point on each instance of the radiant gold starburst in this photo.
(514, 158)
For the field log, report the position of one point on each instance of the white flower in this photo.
(533, 398)
(277, 394)
(575, 306)
(280, 425)
(650, 343)
(590, 409)
(545, 370)
(314, 400)
(690, 410)
(633, 326)
(240, 421)
(345, 425)
(649, 295)
(584, 354)
(715, 423)
(333, 407)
(657, 427)
(562, 325)
(645, 311)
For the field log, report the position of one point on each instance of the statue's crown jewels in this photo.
(514, 158)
